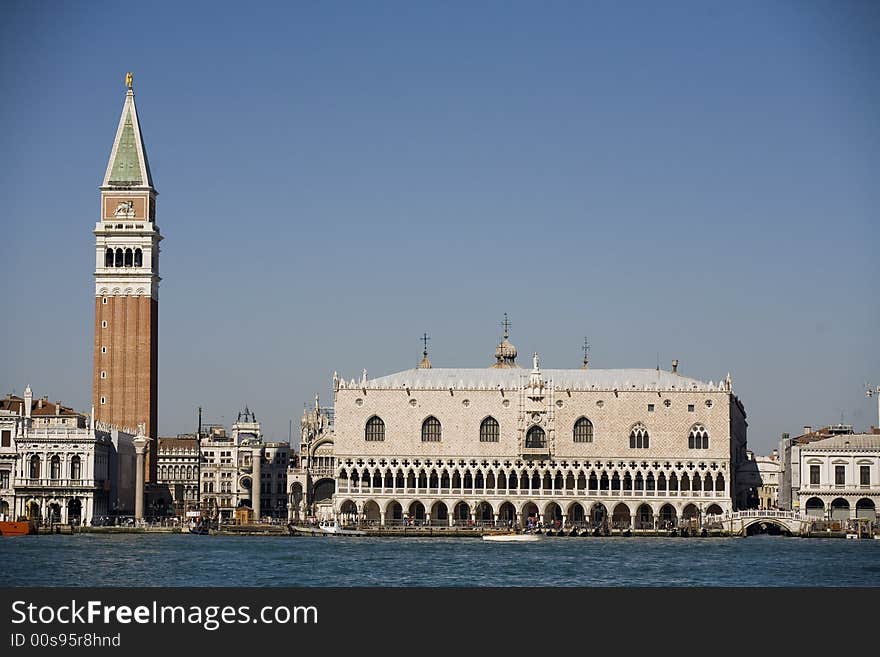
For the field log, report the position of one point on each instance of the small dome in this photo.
(505, 350)
(505, 353)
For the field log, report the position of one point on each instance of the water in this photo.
(187, 560)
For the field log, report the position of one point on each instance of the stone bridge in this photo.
(760, 521)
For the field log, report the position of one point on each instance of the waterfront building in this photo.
(627, 447)
(10, 417)
(758, 477)
(57, 465)
(768, 485)
(218, 473)
(242, 470)
(312, 472)
(840, 477)
(127, 279)
(273, 487)
(790, 461)
(177, 489)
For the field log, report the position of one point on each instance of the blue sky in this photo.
(698, 180)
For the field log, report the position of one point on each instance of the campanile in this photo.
(127, 287)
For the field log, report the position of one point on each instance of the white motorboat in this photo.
(334, 529)
(513, 538)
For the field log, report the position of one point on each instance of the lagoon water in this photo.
(189, 560)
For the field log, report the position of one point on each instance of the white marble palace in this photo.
(61, 466)
(623, 447)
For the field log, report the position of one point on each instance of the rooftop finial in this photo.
(586, 349)
(506, 325)
(425, 364)
(129, 80)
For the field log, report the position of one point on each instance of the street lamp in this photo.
(870, 391)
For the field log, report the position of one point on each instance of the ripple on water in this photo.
(187, 560)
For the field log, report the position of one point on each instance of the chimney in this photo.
(808, 429)
(675, 366)
(58, 408)
(40, 402)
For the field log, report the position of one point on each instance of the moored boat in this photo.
(304, 530)
(335, 530)
(22, 528)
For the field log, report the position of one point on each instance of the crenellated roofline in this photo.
(613, 380)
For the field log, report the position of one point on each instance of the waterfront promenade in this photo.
(737, 524)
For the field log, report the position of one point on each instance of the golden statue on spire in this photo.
(129, 77)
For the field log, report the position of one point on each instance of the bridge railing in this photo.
(758, 513)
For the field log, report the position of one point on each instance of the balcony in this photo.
(27, 482)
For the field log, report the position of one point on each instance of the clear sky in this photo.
(697, 180)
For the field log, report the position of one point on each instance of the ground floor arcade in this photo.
(636, 513)
(840, 507)
(74, 508)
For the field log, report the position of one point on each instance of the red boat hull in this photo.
(17, 528)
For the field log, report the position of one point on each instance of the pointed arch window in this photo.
(698, 438)
(489, 430)
(431, 430)
(638, 437)
(535, 438)
(583, 431)
(375, 429)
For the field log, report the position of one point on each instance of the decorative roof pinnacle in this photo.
(425, 364)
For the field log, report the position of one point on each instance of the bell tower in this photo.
(127, 287)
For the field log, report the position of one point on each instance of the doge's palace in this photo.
(640, 448)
